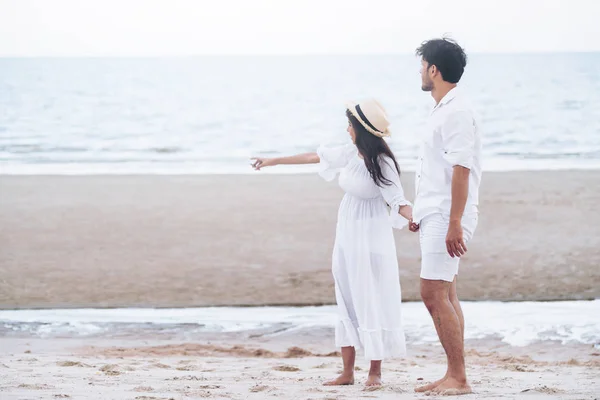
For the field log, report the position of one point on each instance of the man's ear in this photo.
(434, 71)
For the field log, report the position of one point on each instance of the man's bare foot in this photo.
(429, 387)
(373, 381)
(452, 387)
(341, 380)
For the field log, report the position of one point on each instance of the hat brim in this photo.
(351, 106)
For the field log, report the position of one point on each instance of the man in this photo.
(446, 203)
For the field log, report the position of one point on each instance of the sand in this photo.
(172, 241)
(148, 370)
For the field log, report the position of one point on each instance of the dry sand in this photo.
(171, 241)
(150, 370)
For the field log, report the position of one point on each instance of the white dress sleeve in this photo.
(332, 159)
(392, 192)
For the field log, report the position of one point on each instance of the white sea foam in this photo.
(517, 324)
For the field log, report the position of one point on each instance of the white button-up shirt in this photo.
(452, 138)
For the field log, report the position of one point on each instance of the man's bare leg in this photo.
(436, 296)
(453, 296)
(347, 376)
(374, 379)
(457, 308)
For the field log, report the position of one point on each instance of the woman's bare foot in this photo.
(452, 387)
(429, 387)
(373, 381)
(342, 380)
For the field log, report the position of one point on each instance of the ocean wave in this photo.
(218, 108)
(517, 324)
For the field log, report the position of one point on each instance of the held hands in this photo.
(412, 226)
(259, 162)
(406, 212)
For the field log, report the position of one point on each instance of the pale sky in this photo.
(188, 27)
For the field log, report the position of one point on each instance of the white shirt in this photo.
(452, 138)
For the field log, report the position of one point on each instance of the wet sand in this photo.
(174, 241)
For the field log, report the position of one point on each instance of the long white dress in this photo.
(365, 265)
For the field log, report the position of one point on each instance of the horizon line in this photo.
(378, 54)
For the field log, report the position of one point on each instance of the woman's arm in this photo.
(306, 158)
(393, 194)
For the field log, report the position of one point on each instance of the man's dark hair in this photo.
(449, 58)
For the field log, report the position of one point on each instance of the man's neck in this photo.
(441, 90)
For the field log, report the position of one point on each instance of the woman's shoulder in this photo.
(346, 150)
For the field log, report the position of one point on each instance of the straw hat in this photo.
(372, 116)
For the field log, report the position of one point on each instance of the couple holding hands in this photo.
(445, 212)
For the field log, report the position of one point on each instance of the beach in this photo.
(142, 257)
(234, 367)
(262, 239)
(99, 242)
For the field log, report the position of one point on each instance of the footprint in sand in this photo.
(544, 389)
(161, 365)
(72, 364)
(187, 378)
(187, 368)
(27, 359)
(372, 388)
(111, 370)
(153, 398)
(143, 389)
(35, 386)
(61, 396)
(314, 390)
(261, 388)
(518, 368)
(286, 368)
(194, 394)
(394, 389)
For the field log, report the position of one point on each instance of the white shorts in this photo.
(436, 263)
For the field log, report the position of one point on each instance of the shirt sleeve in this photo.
(393, 193)
(332, 159)
(458, 139)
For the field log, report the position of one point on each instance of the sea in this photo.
(513, 323)
(210, 114)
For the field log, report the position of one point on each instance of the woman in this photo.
(365, 267)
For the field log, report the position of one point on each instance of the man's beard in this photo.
(427, 86)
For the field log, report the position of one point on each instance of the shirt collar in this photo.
(448, 97)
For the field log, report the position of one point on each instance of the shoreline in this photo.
(277, 305)
(282, 170)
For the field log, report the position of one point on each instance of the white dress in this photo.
(365, 267)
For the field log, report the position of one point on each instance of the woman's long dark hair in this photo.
(371, 148)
